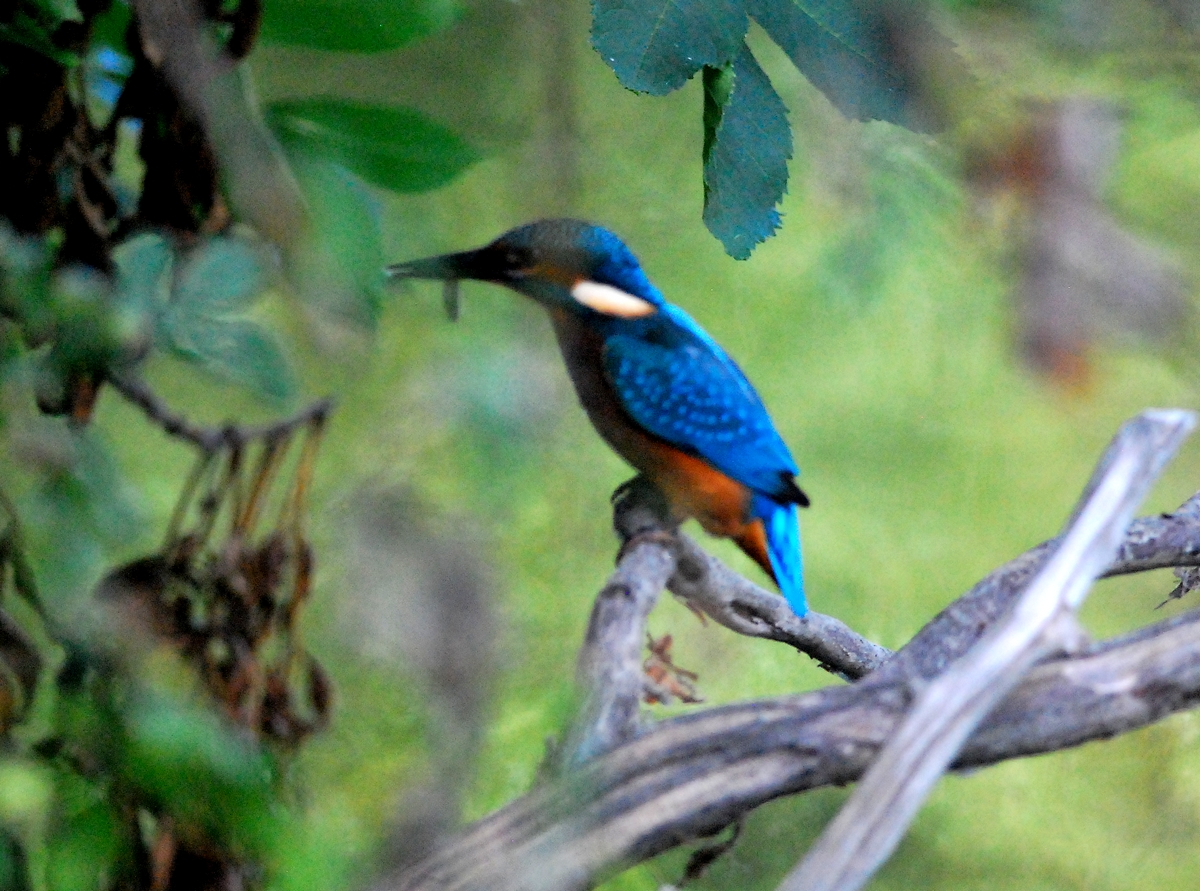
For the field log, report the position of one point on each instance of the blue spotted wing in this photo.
(693, 396)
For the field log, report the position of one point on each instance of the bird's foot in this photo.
(656, 536)
(639, 507)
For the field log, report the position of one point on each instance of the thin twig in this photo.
(213, 439)
(742, 606)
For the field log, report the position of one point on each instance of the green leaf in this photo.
(747, 148)
(864, 55)
(205, 772)
(238, 349)
(221, 276)
(25, 264)
(143, 271)
(87, 849)
(32, 23)
(655, 46)
(337, 269)
(354, 26)
(108, 28)
(396, 148)
(59, 10)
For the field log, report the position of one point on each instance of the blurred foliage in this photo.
(152, 697)
(170, 644)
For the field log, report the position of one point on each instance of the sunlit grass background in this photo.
(876, 326)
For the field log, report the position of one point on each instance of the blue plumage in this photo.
(783, 546)
(688, 392)
(657, 387)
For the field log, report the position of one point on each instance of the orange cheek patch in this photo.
(549, 273)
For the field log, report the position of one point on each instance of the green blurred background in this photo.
(878, 325)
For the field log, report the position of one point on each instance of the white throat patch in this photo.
(611, 301)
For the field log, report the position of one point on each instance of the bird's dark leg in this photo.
(641, 513)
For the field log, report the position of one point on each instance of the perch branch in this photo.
(949, 708)
(610, 662)
(742, 606)
(687, 777)
(690, 776)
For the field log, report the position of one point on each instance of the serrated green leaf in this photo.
(238, 349)
(336, 270)
(396, 148)
(745, 164)
(355, 26)
(862, 54)
(222, 275)
(655, 46)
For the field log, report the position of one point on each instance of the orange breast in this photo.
(693, 487)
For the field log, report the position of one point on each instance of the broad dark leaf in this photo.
(747, 146)
(655, 46)
(866, 56)
(396, 148)
(354, 26)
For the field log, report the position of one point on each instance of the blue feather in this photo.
(783, 547)
(685, 390)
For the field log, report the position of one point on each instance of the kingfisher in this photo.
(657, 388)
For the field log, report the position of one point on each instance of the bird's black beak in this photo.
(483, 264)
(500, 262)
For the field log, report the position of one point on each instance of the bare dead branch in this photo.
(690, 776)
(1150, 543)
(687, 777)
(742, 606)
(610, 662)
(948, 709)
(212, 439)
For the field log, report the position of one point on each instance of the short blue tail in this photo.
(783, 547)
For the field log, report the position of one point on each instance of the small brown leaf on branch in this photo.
(667, 680)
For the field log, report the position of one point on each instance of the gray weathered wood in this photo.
(948, 708)
(689, 776)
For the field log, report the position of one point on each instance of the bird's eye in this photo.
(516, 258)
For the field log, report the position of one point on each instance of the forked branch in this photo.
(687, 777)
